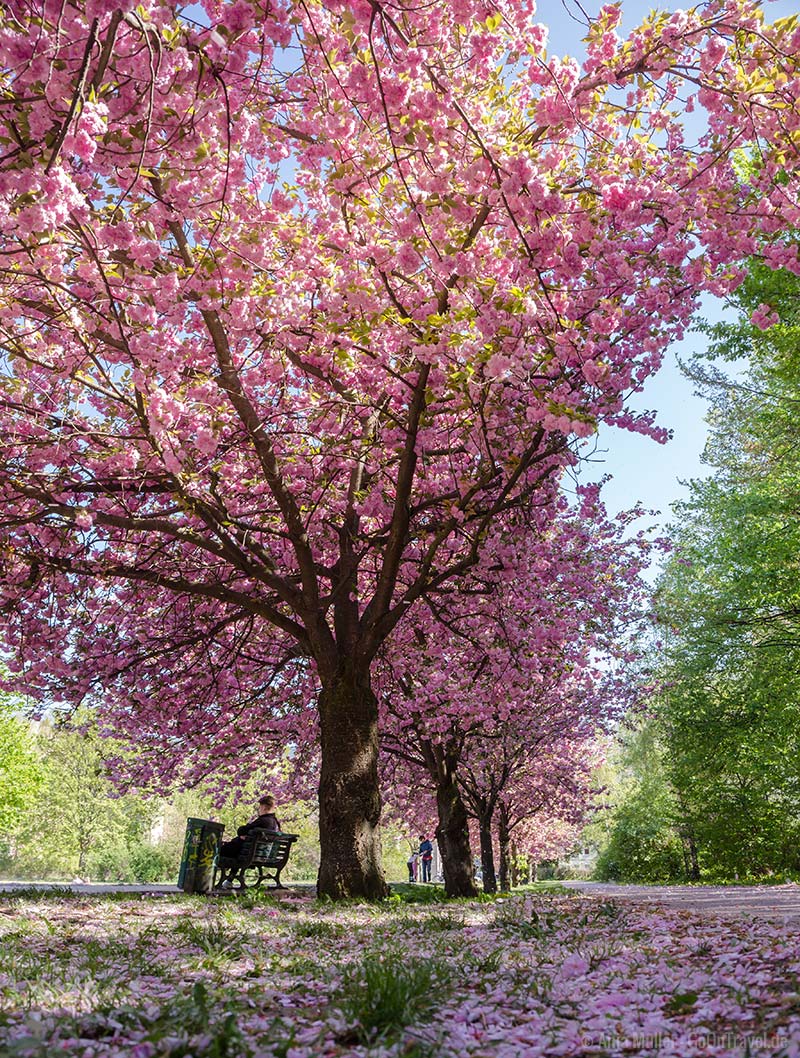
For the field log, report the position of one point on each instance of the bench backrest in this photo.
(270, 848)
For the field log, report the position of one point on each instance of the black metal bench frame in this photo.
(264, 855)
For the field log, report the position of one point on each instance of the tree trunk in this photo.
(349, 793)
(487, 855)
(504, 843)
(452, 835)
(514, 865)
(694, 872)
(691, 864)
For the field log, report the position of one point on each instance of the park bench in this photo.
(263, 857)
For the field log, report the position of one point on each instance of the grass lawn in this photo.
(541, 973)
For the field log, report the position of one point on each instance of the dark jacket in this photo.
(269, 821)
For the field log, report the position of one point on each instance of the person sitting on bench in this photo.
(265, 820)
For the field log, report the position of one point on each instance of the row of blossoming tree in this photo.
(304, 309)
(495, 705)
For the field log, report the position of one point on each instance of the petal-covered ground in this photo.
(246, 977)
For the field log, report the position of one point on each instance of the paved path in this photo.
(113, 887)
(89, 887)
(778, 902)
(781, 902)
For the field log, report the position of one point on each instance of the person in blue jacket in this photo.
(426, 853)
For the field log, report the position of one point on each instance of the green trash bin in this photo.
(200, 847)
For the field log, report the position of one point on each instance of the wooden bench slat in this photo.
(262, 850)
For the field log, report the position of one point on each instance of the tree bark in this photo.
(694, 863)
(452, 835)
(504, 843)
(487, 855)
(349, 793)
(515, 869)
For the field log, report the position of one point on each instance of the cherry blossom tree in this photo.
(540, 838)
(494, 695)
(553, 791)
(536, 761)
(298, 299)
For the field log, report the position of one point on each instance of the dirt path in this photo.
(779, 902)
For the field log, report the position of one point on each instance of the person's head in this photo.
(266, 804)
(422, 837)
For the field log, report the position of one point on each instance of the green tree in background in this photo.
(20, 767)
(729, 600)
(79, 823)
(640, 832)
(709, 786)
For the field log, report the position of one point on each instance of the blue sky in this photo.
(647, 472)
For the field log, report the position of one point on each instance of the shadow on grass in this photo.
(408, 893)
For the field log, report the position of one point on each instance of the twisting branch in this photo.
(77, 96)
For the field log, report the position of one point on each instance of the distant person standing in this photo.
(426, 853)
(412, 866)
